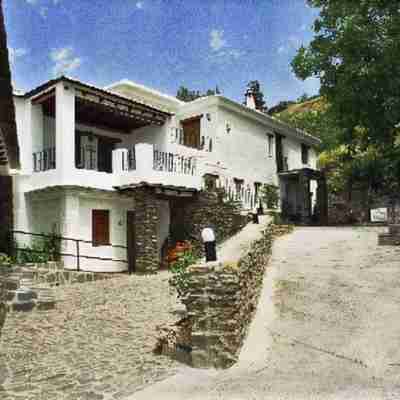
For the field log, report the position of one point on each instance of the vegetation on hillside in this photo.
(355, 53)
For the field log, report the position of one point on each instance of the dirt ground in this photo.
(327, 326)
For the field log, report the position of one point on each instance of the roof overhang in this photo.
(307, 172)
(166, 190)
(96, 106)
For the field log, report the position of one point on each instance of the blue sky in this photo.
(162, 43)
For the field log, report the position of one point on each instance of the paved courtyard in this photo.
(327, 326)
(97, 343)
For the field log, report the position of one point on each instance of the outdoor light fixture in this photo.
(208, 116)
(208, 236)
(228, 127)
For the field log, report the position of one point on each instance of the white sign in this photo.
(379, 214)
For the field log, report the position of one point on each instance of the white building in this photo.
(81, 146)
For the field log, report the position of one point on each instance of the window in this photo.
(100, 227)
(191, 132)
(210, 182)
(304, 153)
(270, 145)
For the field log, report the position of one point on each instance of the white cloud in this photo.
(217, 42)
(14, 54)
(43, 12)
(303, 27)
(55, 2)
(64, 60)
(282, 49)
(33, 2)
(140, 5)
(221, 51)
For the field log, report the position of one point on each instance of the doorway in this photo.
(131, 241)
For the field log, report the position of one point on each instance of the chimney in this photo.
(250, 99)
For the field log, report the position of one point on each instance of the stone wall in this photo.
(189, 217)
(146, 230)
(221, 301)
(30, 286)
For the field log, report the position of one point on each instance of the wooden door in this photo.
(131, 241)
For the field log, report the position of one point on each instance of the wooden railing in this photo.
(170, 162)
(44, 160)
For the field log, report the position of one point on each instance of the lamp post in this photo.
(208, 237)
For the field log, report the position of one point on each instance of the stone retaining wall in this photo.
(221, 301)
(29, 286)
(206, 209)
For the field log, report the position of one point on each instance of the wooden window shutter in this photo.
(100, 227)
(191, 132)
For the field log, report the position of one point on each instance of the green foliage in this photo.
(355, 53)
(276, 217)
(320, 123)
(180, 275)
(187, 95)
(5, 260)
(270, 195)
(42, 250)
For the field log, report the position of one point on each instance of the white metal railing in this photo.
(175, 163)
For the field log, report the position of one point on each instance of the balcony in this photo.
(144, 163)
(140, 164)
(44, 160)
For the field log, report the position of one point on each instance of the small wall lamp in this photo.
(208, 116)
(228, 127)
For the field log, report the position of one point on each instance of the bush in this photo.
(5, 260)
(270, 195)
(43, 249)
(179, 279)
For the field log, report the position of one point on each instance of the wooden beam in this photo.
(44, 96)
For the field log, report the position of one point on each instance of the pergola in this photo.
(99, 107)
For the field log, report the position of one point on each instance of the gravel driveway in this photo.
(327, 326)
(97, 344)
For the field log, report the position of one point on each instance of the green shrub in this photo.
(270, 195)
(180, 276)
(5, 260)
(41, 250)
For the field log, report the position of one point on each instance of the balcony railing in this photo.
(129, 160)
(170, 162)
(44, 160)
(87, 158)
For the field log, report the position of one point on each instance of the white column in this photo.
(70, 227)
(65, 129)
(144, 159)
(119, 160)
(26, 145)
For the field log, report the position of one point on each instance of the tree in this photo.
(318, 121)
(187, 95)
(355, 53)
(255, 88)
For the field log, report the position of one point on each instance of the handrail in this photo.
(78, 256)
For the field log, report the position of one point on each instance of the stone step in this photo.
(385, 239)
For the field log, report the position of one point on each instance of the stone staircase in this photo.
(391, 238)
(23, 294)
